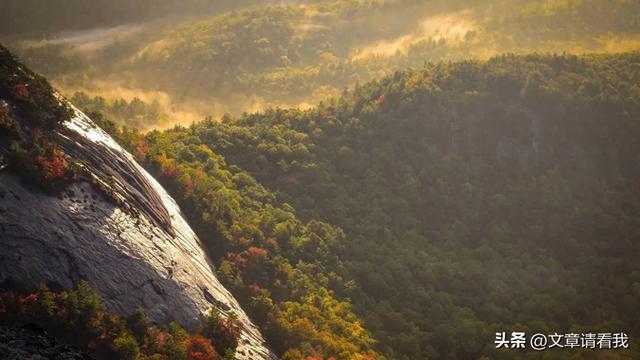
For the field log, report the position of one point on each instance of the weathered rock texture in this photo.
(137, 250)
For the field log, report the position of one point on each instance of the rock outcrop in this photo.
(132, 244)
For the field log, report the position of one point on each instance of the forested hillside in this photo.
(38, 19)
(295, 54)
(438, 205)
(373, 179)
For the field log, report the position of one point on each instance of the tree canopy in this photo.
(431, 208)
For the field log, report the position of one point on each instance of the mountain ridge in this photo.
(111, 224)
(472, 196)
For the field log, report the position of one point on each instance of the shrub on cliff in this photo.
(78, 318)
(30, 113)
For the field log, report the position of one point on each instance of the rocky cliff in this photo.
(117, 228)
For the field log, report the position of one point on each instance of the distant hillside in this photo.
(298, 54)
(35, 18)
(474, 197)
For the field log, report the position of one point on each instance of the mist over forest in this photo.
(207, 58)
(370, 179)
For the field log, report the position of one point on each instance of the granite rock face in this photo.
(130, 242)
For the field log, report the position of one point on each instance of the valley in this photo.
(347, 179)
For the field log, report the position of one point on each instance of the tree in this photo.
(224, 333)
(138, 324)
(125, 347)
(201, 349)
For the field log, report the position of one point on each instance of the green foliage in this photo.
(78, 318)
(223, 332)
(30, 113)
(83, 305)
(125, 347)
(138, 323)
(45, 306)
(135, 113)
(176, 342)
(285, 272)
(474, 197)
(430, 208)
(38, 104)
(567, 18)
(298, 54)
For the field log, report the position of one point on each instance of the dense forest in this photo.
(464, 199)
(292, 54)
(372, 179)
(135, 113)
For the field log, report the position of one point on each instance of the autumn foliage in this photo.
(20, 91)
(30, 115)
(274, 264)
(54, 166)
(78, 318)
(200, 348)
(224, 332)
